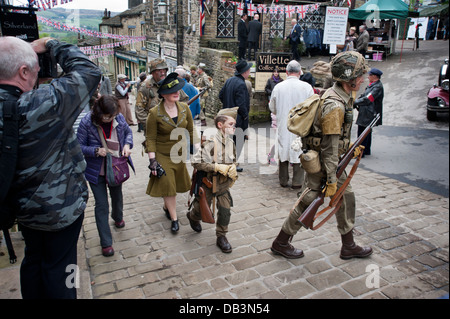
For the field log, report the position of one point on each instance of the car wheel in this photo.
(431, 116)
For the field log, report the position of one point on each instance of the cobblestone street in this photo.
(406, 226)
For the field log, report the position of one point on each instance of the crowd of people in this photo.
(50, 188)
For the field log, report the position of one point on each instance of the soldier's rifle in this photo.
(200, 93)
(310, 214)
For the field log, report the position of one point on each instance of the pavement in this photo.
(407, 226)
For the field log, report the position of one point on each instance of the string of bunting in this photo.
(288, 10)
(46, 4)
(91, 33)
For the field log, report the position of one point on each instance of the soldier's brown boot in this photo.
(351, 250)
(281, 246)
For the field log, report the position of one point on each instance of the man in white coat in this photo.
(285, 96)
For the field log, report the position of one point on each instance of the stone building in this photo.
(129, 58)
(175, 32)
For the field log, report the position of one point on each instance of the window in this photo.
(277, 21)
(225, 20)
(131, 33)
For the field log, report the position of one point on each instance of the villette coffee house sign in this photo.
(19, 22)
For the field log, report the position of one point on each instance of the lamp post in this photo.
(162, 7)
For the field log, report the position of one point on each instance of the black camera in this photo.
(160, 171)
(16, 22)
(48, 65)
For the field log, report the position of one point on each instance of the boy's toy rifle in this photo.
(198, 180)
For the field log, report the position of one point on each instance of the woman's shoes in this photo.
(175, 226)
(167, 213)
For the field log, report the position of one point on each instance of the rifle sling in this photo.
(336, 200)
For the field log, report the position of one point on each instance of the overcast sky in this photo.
(112, 5)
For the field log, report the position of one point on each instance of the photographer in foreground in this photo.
(49, 191)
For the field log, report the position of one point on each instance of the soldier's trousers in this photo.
(345, 216)
(283, 174)
(224, 202)
(202, 109)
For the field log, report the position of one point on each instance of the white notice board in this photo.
(335, 25)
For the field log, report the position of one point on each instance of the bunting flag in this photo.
(288, 10)
(240, 8)
(251, 10)
(46, 4)
(87, 32)
(202, 17)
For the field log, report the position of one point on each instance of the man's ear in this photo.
(24, 72)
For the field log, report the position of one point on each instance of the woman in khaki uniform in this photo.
(167, 146)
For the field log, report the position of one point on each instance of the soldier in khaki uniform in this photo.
(221, 147)
(147, 96)
(194, 75)
(330, 137)
(203, 81)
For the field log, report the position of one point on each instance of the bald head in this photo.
(14, 54)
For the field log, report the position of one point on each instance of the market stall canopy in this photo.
(380, 9)
(434, 11)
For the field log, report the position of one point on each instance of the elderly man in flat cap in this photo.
(121, 93)
(369, 104)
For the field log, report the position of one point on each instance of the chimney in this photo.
(134, 3)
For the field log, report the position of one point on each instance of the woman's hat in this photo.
(171, 84)
(242, 66)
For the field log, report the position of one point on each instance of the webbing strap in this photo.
(10, 146)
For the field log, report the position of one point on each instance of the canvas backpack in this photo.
(301, 117)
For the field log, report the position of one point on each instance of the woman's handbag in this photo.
(116, 168)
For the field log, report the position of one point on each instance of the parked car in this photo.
(438, 101)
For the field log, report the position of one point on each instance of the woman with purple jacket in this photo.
(119, 139)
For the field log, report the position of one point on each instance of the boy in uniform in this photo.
(217, 158)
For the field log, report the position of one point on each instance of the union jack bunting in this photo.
(202, 17)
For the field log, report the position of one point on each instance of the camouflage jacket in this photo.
(49, 188)
(204, 82)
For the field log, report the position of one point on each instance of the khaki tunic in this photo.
(203, 82)
(331, 138)
(203, 160)
(147, 98)
(169, 142)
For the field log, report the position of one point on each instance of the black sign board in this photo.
(19, 25)
(22, 23)
(266, 64)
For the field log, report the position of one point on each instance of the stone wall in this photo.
(220, 68)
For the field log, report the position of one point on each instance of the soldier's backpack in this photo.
(301, 117)
(8, 162)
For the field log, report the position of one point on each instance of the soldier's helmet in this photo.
(348, 65)
(158, 64)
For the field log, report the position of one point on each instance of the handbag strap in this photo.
(102, 138)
